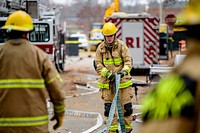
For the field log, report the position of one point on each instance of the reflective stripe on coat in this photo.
(27, 79)
(120, 59)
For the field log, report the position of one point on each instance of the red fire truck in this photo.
(45, 35)
(140, 32)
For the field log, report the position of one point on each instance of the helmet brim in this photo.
(110, 34)
(17, 28)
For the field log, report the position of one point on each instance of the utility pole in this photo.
(161, 11)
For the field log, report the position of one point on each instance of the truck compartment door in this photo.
(133, 36)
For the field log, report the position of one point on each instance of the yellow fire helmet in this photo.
(190, 15)
(19, 21)
(109, 29)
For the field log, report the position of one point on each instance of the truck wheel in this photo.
(62, 66)
(58, 68)
(56, 62)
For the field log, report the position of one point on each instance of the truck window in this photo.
(3, 35)
(41, 33)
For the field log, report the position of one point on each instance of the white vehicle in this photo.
(140, 32)
(95, 36)
(82, 40)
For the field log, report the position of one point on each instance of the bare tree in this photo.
(89, 14)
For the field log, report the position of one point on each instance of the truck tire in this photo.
(62, 64)
(56, 62)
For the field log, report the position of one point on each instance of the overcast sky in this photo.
(125, 2)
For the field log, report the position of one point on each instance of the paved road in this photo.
(87, 103)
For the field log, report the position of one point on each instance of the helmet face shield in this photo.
(19, 21)
(109, 29)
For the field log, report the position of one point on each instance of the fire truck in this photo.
(46, 34)
(140, 32)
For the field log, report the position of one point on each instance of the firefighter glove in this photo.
(59, 119)
(122, 73)
(111, 76)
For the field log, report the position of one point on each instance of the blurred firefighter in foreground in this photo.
(27, 78)
(113, 57)
(174, 105)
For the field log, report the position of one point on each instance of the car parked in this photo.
(83, 41)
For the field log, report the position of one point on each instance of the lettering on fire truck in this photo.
(133, 42)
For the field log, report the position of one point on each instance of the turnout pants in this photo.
(126, 96)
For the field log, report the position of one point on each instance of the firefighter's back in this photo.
(23, 94)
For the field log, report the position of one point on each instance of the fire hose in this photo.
(115, 103)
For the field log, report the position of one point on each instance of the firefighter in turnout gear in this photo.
(113, 57)
(27, 79)
(174, 105)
